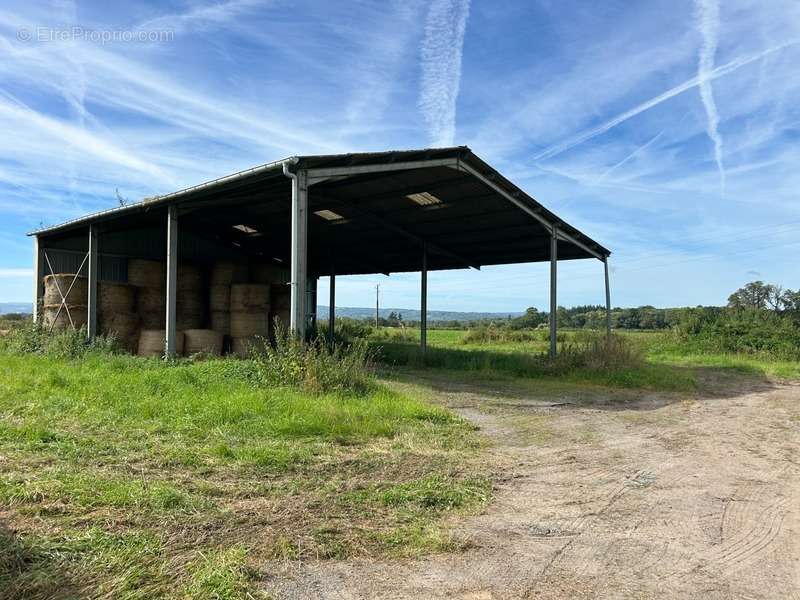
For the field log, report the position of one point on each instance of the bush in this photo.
(495, 335)
(746, 331)
(313, 366)
(33, 338)
(599, 352)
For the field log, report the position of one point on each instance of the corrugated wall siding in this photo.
(111, 268)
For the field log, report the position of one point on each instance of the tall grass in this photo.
(314, 366)
(34, 338)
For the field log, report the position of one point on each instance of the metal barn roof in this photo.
(368, 212)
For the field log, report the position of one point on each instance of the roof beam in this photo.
(319, 175)
(359, 212)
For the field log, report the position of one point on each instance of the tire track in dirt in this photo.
(630, 511)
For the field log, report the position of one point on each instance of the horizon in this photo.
(666, 133)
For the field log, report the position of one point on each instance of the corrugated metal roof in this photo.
(206, 191)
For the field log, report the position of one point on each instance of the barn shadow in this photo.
(523, 380)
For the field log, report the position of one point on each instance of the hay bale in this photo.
(226, 272)
(124, 326)
(206, 341)
(219, 297)
(245, 347)
(77, 312)
(78, 295)
(280, 296)
(147, 273)
(116, 297)
(153, 319)
(186, 320)
(151, 299)
(268, 273)
(189, 278)
(152, 342)
(248, 324)
(281, 316)
(221, 321)
(191, 309)
(249, 297)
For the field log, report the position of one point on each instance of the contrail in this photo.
(708, 24)
(440, 52)
(720, 71)
(630, 156)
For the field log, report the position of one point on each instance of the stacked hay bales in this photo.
(223, 275)
(152, 342)
(74, 312)
(280, 304)
(249, 310)
(150, 279)
(205, 341)
(116, 313)
(191, 298)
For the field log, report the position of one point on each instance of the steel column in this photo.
(37, 279)
(172, 281)
(608, 298)
(553, 285)
(423, 303)
(332, 306)
(91, 304)
(299, 254)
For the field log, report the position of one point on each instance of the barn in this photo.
(281, 226)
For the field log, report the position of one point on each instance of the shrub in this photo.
(313, 366)
(33, 338)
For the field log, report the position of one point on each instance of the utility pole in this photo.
(377, 302)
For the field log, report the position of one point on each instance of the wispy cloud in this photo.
(16, 272)
(720, 71)
(202, 16)
(441, 50)
(707, 12)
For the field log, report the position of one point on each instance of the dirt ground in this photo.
(610, 495)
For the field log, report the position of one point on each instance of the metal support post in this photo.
(553, 285)
(608, 298)
(37, 279)
(172, 281)
(423, 302)
(91, 304)
(299, 254)
(332, 306)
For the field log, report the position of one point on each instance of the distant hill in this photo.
(412, 314)
(16, 307)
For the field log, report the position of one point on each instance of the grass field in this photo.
(125, 477)
(668, 365)
(133, 478)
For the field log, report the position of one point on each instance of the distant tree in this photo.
(756, 295)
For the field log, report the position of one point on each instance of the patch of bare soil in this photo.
(652, 498)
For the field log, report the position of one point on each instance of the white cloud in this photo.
(441, 52)
(16, 272)
(708, 24)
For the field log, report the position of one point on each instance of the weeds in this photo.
(313, 366)
(34, 338)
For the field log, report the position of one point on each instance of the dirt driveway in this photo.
(607, 495)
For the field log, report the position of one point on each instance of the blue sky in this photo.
(668, 131)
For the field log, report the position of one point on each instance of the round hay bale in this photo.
(221, 321)
(281, 315)
(189, 278)
(147, 273)
(280, 296)
(250, 297)
(152, 342)
(268, 273)
(186, 320)
(219, 297)
(77, 312)
(226, 272)
(124, 325)
(117, 297)
(77, 296)
(245, 347)
(247, 324)
(151, 299)
(153, 319)
(206, 341)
